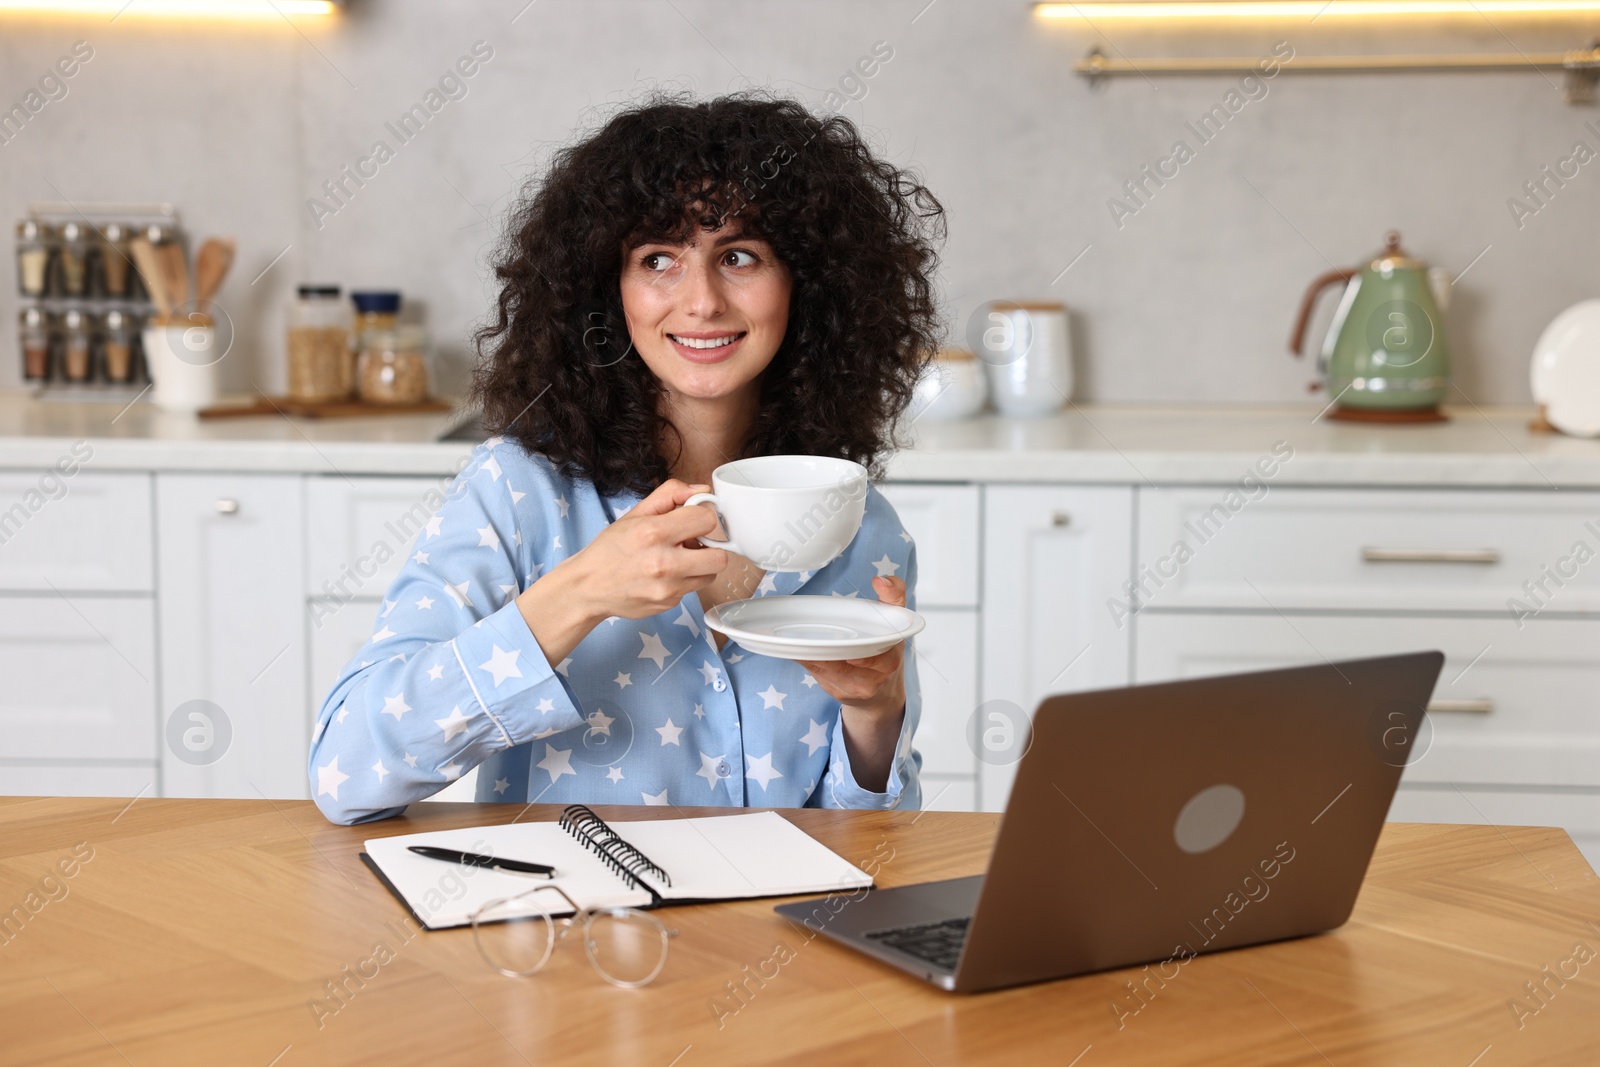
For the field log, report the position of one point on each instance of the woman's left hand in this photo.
(876, 684)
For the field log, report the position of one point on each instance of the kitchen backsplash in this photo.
(380, 149)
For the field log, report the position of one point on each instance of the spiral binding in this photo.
(590, 829)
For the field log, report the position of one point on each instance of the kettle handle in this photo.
(1297, 336)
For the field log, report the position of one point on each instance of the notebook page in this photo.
(732, 857)
(446, 894)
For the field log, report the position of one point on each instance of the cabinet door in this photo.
(943, 521)
(359, 531)
(232, 571)
(1054, 618)
(86, 533)
(947, 669)
(1511, 708)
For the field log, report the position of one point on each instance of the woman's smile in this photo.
(707, 346)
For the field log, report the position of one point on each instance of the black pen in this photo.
(473, 859)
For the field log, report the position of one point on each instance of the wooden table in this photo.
(207, 931)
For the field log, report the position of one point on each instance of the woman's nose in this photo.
(702, 294)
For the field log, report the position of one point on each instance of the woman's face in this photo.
(707, 316)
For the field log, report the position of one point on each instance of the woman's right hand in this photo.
(640, 565)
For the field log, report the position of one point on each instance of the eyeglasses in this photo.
(516, 937)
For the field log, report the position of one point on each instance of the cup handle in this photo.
(711, 498)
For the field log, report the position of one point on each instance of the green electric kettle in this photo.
(1385, 358)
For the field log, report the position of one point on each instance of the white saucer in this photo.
(814, 627)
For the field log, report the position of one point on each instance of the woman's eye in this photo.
(657, 261)
(740, 258)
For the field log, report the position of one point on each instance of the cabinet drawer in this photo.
(1576, 813)
(78, 780)
(360, 531)
(90, 532)
(1382, 549)
(79, 678)
(1512, 707)
(943, 521)
(947, 670)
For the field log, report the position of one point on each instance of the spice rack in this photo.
(82, 303)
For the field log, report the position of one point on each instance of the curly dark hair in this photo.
(858, 235)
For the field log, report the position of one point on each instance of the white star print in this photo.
(699, 712)
(420, 557)
(401, 656)
(546, 706)
(685, 619)
(516, 537)
(515, 496)
(411, 761)
(502, 664)
(735, 658)
(557, 761)
(761, 770)
(563, 506)
(493, 467)
(382, 635)
(905, 537)
(562, 666)
(487, 538)
(494, 442)
(451, 771)
(768, 584)
(507, 592)
(669, 733)
(807, 680)
(708, 672)
(436, 673)
(653, 649)
(425, 603)
(396, 706)
(500, 786)
(805, 576)
(329, 779)
(557, 542)
(708, 769)
(886, 566)
(599, 723)
(655, 800)
(455, 724)
(388, 606)
(614, 774)
(623, 680)
(459, 594)
(771, 698)
(845, 596)
(814, 738)
(434, 525)
(380, 770)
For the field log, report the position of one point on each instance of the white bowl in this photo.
(1565, 374)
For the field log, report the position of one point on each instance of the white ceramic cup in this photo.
(787, 513)
(183, 366)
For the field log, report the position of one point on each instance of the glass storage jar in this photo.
(320, 361)
(393, 366)
(118, 345)
(33, 326)
(114, 259)
(75, 337)
(33, 257)
(74, 259)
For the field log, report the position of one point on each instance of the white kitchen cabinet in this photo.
(1577, 813)
(943, 522)
(91, 533)
(359, 531)
(1054, 618)
(119, 778)
(946, 655)
(80, 674)
(1511, 707)
(232, 574)
(1368, 549)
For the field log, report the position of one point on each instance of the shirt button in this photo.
(719, 685)
(723, 770)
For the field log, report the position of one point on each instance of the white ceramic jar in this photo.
(1028, 356)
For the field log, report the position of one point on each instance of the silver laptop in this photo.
(1156, 822)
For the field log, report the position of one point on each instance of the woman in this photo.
(695, 283)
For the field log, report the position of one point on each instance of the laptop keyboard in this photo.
(938, 942)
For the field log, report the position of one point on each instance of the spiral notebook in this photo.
(613, 865)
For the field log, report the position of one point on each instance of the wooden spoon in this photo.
(177, 277)
(211, 266)
(152, 270)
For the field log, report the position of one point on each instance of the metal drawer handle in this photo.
(1060, 518)
(226, 506)
(1481, 706)
(1430, 555)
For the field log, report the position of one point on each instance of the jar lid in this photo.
(116, 319)
(307, 291)
(114, 231)
(32, 317)
(376, 302)
(71, 231)
(73, 319)
(954, 354)
(30, 230)
(157, 234)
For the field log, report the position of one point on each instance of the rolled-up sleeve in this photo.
(452, 674)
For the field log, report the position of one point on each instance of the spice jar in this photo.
(320, 363)
(114, 259)
(33, 257)
(118, 345)
(34, 327)
(74, 259)
(393, 366)
(75, 345)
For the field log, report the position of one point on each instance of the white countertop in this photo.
(1088, 444)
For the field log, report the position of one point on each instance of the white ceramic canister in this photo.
(953, 387)
(183, 365)
(1028, 356)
